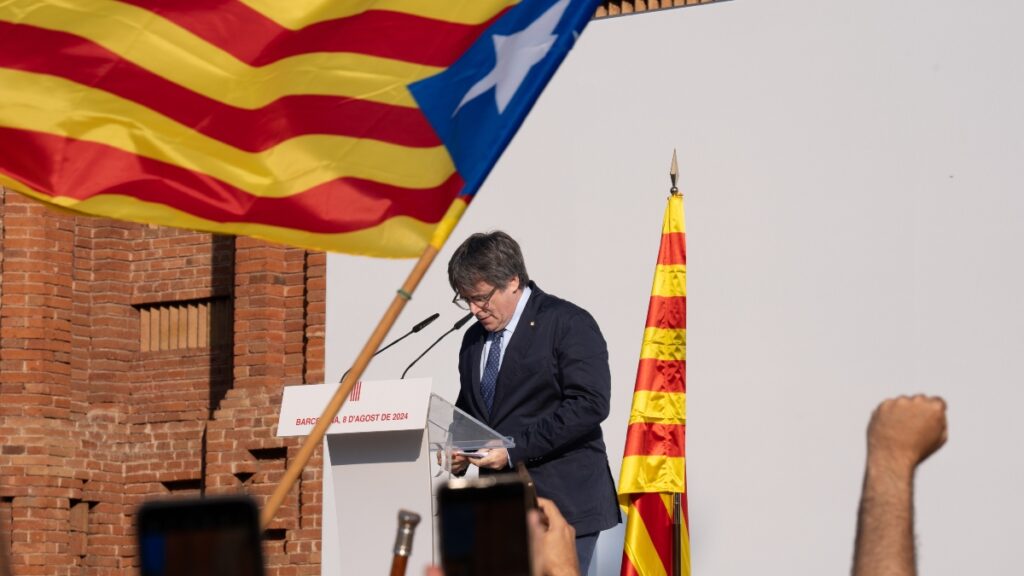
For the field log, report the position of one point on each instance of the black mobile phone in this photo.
(199, 537)
(483, 526)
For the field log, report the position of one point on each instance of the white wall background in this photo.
(854, 175)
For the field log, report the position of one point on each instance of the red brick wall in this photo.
(621, 7)
(90, 425)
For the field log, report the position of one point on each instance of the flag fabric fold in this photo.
(654, 460)
(327, 125)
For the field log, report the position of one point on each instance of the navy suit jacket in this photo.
(551, 396)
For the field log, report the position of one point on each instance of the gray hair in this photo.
(494, 258)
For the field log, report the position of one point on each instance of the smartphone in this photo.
(483, 526)
(200, 537)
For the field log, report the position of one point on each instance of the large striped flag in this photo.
(347, 125)
(654, 463)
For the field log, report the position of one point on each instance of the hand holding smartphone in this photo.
(483, 525)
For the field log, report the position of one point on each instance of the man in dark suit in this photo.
(535, 367)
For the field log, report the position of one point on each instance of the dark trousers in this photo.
(585, 544)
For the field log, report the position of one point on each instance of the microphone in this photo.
(423, 324)
(462, 322)
(419, 326)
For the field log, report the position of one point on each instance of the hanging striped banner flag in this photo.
(355, 126)
(654, 463)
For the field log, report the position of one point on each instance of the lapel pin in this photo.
(532, 322)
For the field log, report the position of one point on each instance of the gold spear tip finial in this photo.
(673, 173)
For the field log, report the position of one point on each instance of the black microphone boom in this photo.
(462, 322)
(423, 324)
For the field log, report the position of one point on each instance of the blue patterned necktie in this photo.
(490, 377)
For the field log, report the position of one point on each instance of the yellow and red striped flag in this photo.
(362, 126)
(654, 463)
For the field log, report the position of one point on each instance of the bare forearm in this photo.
(885, 530)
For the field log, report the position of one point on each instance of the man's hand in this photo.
(459, 463)
(495, 459)
(552, 541)
(905, 431)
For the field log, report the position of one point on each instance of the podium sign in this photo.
(372, 406)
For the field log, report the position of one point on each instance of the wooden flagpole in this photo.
(316, 436)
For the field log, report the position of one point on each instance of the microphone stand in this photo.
(462, 322)
(414, 330)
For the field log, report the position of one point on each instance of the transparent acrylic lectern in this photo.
(449, 430)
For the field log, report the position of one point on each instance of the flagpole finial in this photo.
(673, 174)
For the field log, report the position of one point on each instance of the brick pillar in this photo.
(269, 315)
(105, 339)
(35, 394)
(270, 339)
(316, 315)
(306, 544)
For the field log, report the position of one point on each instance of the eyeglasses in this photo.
(481, 301)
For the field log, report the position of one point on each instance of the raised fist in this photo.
(907, 430)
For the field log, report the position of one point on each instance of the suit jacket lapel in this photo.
(475, 351)
(511, 363)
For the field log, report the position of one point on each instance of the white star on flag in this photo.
(515, 55)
